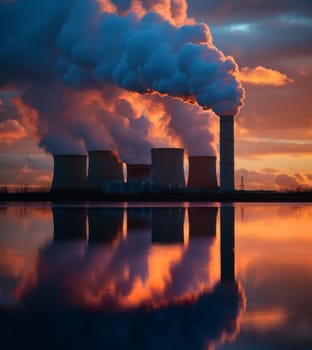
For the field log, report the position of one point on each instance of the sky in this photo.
(57, 92)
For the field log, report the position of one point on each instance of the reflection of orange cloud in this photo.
(264, 320)
(270, 233)
(11, 264)
(263, 76)
(11, 130)
(160, 261)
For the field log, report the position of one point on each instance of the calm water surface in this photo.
(180, 276)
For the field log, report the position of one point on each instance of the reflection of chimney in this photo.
(202, 221)
(168, 225)
(105, 224)
(227, 153)
(69, 224)
(70, 172)
(167, 166)
(202, 172)
(227, 223)
(139, 172)
(103, 166)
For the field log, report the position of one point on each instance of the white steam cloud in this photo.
(99, 73)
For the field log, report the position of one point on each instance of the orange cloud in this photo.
(273, 179)
(263, 76)
(11, 130)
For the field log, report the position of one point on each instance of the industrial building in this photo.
(105, 170)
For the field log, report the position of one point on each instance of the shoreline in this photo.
(202, 196)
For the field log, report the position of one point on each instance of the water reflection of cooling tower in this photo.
(103, 166)
(69, 224)
(167, 166)
(202, 172)
(139, 219)
(227, 228)
(139, 173)
(202, 221)
(70, 172)
(168, 225)
(105, 224)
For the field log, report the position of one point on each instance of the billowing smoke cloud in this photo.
(92, 70)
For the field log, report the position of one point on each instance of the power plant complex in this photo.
(107, 173)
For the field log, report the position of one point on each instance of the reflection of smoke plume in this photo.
(143, 46)
(85, 288)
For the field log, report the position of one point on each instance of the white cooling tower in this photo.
(103, 166)
(167, 166)
(202, 172)
(227, 153)
(70, 172)
(139, 172)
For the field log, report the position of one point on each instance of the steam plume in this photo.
(91, 69)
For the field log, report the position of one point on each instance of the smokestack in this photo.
(227, 153)
(139, 172)
(70, 172)
(202, 172)
(167, 166)
(103, 166)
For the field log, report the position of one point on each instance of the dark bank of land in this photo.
(172, 196)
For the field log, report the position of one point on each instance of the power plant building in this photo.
(70, 172)
(104, 166)
(168, 167)
(202, 172)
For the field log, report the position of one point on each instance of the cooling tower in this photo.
(167, 166)
(227, 153)
(202, 172)
(70, 172)
(103, 166)
(139, 172)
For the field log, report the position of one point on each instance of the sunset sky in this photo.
(269, 40)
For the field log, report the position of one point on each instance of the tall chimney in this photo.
(103, 166)
(202, 172)
(70, 172)
(227, 153)
(167, 166)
